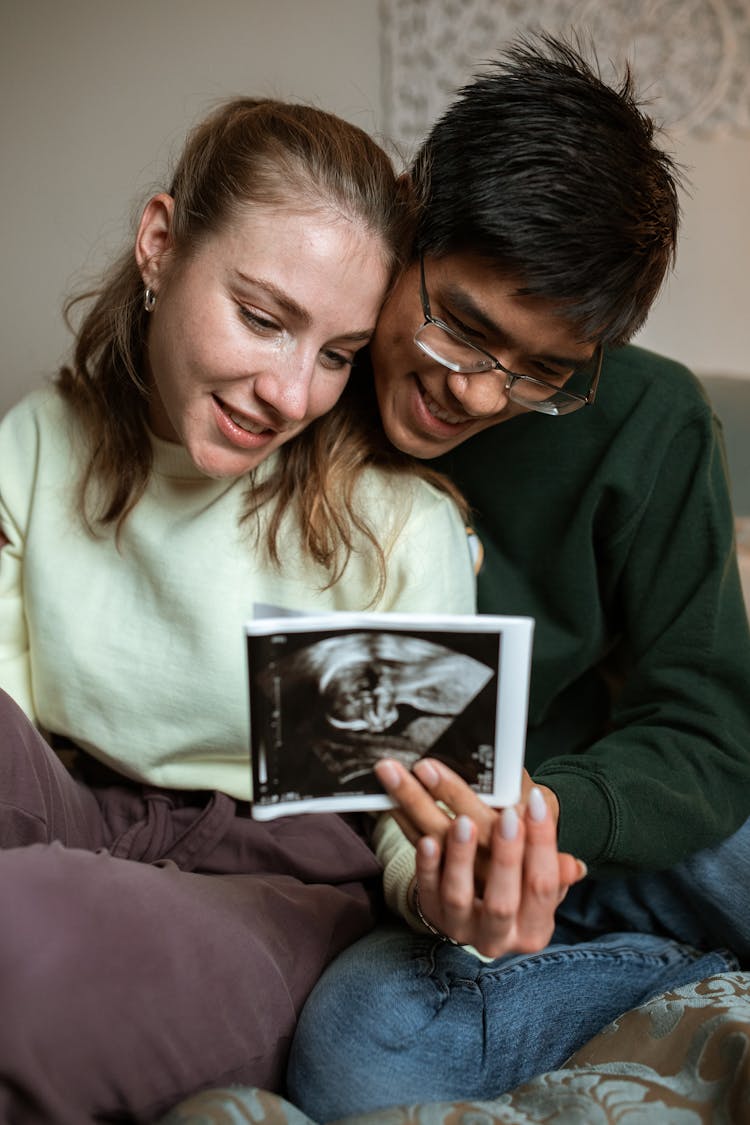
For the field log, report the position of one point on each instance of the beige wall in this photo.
(96, 94)
(703, 315)
(94, 97)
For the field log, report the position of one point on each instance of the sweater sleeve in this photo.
(430, 570)
(672, 774)
(397, 856)
(16, 456)
(429, 564)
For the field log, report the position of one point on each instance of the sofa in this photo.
(682, 1058)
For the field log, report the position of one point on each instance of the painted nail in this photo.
(427, 774)
(463, 829)
(428, 847)
(509, 823)
(388, 775)
(537, 805)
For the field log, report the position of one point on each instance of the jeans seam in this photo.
(684, 955)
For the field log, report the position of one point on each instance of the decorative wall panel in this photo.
(691, 58)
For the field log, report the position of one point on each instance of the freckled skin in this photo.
(252, 335)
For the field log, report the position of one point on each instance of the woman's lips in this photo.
(239, 428)
(245, 423)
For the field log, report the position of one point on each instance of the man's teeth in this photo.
(438, 412)
(249, 427)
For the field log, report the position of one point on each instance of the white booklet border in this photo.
(515, 635)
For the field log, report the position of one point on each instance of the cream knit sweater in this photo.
(135, 649)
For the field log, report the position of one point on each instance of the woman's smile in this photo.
(239, 428)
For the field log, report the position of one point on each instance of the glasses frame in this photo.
(574, 400)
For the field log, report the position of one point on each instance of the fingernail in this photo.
(388, 775)
(509, 823)
(537, 805)
(428, 847)
(582, 869)
(463, 829)
(427, 774)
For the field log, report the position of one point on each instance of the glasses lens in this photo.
(450, 351)
(580, 388)
(538, 398)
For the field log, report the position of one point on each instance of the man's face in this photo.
(428, 409)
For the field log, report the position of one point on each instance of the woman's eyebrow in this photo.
(465, 304)
(284, 301)
(279, 296)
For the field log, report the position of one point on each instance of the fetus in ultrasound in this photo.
(362, 696)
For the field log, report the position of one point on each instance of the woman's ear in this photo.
(154, 238)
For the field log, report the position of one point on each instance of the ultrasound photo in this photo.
(327, 704)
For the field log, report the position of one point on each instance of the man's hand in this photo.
(487, 877)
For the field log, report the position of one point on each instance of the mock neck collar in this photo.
(172, 460)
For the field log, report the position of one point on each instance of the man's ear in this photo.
(154, 238)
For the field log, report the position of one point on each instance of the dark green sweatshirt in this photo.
(613, 528)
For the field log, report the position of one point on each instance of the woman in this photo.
(157, 939)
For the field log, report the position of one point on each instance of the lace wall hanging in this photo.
(691, 58)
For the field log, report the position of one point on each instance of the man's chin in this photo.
(423, 448)
(415, 449)
(426, 447)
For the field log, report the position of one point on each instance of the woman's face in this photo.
(253, 334)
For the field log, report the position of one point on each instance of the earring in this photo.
(149, 299)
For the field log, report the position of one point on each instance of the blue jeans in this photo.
(405, 1018)
(701, 901)
(401, 1018)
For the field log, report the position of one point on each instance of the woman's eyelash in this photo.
(338, 360)
(334, 360)
(256, 320)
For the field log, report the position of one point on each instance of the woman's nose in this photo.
(480, 394)
(284, 386)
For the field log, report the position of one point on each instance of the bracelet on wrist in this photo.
(425, 921)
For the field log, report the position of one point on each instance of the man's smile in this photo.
(438, 411)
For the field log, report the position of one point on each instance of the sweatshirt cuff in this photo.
(588, 820)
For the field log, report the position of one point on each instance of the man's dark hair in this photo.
(553, 176)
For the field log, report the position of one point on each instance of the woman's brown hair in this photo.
(247, 151)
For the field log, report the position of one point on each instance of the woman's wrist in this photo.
(417, 907)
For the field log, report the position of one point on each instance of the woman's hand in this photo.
(487, 877)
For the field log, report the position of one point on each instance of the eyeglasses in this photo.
(452, 350)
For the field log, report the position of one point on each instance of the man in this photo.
(548, 222)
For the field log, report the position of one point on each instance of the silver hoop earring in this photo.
(149, 299)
